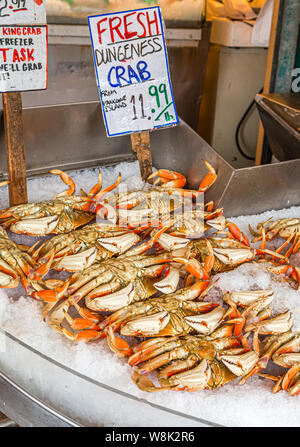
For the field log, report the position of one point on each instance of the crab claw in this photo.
(239, 364)
(291, 380)
(169, 179)
(147, 325)
(77, 262)
(119, 244)
(288, 270)
(112, 302)
(218, 223)
(117, 344)
(67, 180)
(237, 234)
(36, 227)
(51, 296)
(8, 281)
(42, 271)
(208, 322)
(169, 242)
(194, 267)
(152, 348)
(277, 325)
(209, 179)
(169, 283)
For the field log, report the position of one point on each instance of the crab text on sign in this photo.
(132, 71)
(23, 58)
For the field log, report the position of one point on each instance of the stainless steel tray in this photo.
(27, 397)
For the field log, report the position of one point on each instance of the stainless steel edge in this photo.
(257, 189)
(27, 410)
(19, 404)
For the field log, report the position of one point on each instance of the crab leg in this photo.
(67, 180)
(270, 347)
(209, 179)
(90, 278)
(289, 270)
(177, 366)
(152, 348)
(237, 234)
(102, 193)
(50, 296)
(194, 267)
(118, 344)
(97, 188)
(173, 353)
(277, 325)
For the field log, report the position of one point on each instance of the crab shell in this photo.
(189, 363)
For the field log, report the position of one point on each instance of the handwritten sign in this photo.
(132, 71)
(27, 12)
(23, 58)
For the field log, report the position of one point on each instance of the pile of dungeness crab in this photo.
(140, 265)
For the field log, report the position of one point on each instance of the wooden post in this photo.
(141, 146)
(15, 147)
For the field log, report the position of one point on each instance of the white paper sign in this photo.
(23, 58)
(132, 71)
(19, 12)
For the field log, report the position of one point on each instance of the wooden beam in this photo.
(141, 146)
(268, 76)
(15, 147)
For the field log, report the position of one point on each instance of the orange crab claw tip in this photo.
(69, 334)
(152, 175)
(49, 296)
(236, 232)
(122, 347)
(194, 267)
(209, 167)
(88, 335)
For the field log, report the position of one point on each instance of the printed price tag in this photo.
(132, 71)
(19, 12)
(23, 58)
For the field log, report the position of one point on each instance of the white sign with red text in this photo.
(132, 71)
(22, 12)
(23, 58)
